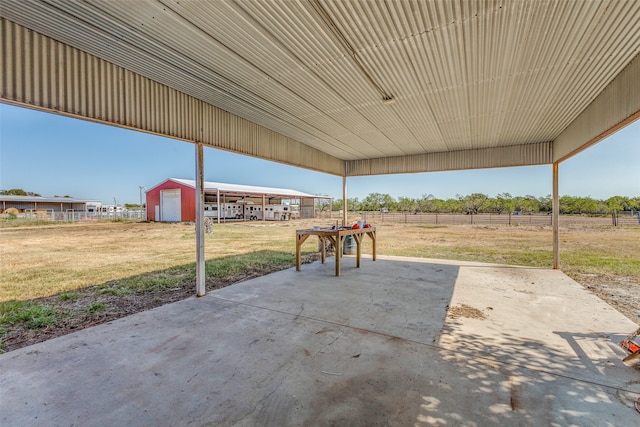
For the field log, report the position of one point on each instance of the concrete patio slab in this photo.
(400, 341)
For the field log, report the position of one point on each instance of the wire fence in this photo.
(73, 216)
(616, 219)
(449, 218)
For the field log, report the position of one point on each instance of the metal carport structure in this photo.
(221, 192)
(347, 88)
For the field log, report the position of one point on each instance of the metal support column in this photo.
(555, 211)
(200, 278)
(344, 200)
(218, 202)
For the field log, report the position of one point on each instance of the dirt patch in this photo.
(464, 310)
(89, 307)
(622, 293)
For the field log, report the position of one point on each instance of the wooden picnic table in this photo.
(336, 236)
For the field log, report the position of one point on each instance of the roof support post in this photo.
(200, 278)
(555, 212)
(344, 200)
(218, 202)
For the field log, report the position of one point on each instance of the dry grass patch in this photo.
(59, 278)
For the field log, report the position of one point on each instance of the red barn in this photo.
(174, 200)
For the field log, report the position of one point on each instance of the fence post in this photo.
(509, 217)
(405, 217)
(471, 215)
(436, 219)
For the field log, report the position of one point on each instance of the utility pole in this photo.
(143, 215)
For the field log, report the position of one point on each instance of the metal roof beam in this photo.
(517, 155)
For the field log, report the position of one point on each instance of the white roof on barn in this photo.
(238, 189)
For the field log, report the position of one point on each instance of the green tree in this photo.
(545, 204)
(323, 205)
(526, 204)
(474, 203)
(453, 205)
(406, 204)
(587, 205)
(378, 201)
(566, 205)
(438, 206)
(18, 192)
(578, 205)
(353, 204)
(619, 204)
(426, 203)
(503, 203)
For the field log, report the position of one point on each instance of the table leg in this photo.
(323, 250)
(299, 241)
(338, 253)
(372, 235)
(358, 238)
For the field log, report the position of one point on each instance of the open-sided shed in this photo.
(348, 88)
(174, 199)
(47, 204)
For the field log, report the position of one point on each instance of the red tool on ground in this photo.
(632, 346)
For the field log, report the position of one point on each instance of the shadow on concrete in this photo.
(523, 381)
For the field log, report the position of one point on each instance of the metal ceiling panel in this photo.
(465, 76)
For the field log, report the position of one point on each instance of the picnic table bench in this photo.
(336, 236)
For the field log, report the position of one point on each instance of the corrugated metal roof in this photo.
(246, 189)
(465, 75)
(40, 199)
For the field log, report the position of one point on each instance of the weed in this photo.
(21, 222)
(34, 315)
(96, 306)
(69, 296)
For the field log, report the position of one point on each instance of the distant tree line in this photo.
(18, 192)
(21, 192)
(481, 203)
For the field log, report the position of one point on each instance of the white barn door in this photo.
(170, 206)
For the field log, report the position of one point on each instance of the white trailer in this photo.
(252, 212)
(229, 211)
(271, 212)
(278, 212)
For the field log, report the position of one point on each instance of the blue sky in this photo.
(51, 155)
